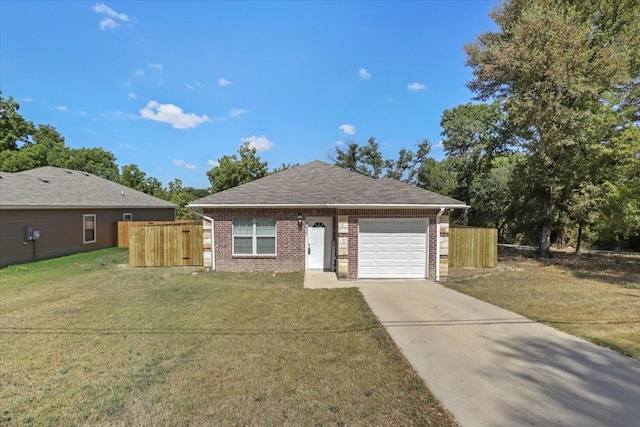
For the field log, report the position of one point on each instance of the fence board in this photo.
(124, 226)
(165, 244)
(473, 247)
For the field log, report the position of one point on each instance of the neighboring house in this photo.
(49, 212)
(319, 216)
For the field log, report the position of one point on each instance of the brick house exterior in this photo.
(347, 203)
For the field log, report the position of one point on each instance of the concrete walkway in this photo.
(492, 367)
(318, 279)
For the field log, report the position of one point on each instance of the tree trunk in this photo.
(545, 235)
(579, 237)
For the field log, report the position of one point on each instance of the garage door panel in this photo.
(392, 248)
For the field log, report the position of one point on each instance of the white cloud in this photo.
(439, 144)
(224, 82)
(237, 112)
(158, 67)
(139, 72)
(106, 10)
(348, 129)
(213, 163)
(260, 143)
(416, 86)
(112, 17)
(131, 95)
(339, 143)
(183, 164)
(117, 115)
(108, 23)
(27, 99)
(173, 115)
(129, 146)
(61, 108)
(364, 74)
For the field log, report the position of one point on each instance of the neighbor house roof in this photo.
(318, 184)
(55, 188)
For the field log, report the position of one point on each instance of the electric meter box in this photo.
(31, 234)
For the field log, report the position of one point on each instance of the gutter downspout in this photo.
(213, 252)
(438, 244)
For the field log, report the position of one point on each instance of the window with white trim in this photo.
(254, 236)
(89, 228)
(127, 217)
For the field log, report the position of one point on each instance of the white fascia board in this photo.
(330, 205)
(58, 207)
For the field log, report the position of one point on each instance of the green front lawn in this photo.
(85, 340)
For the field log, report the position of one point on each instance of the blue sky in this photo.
(173, 86)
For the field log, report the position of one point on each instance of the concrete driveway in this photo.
(492, 367)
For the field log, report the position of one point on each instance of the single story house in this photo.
(320, 216)
(50, 212)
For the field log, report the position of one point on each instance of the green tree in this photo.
(283, 167)
(371, 159)
(181, 197)
(95, 160)
(14, 129)
(473, 135)
(407, 165)
(238, 169)
(558, 82)
(437, 176)
(132, 177)
(492, 196)
(349, 158)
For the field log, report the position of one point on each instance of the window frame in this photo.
(85, 229)
(254, 238)
(127, 214)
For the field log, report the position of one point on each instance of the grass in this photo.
(596, 297)
(84, 340)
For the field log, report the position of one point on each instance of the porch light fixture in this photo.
(300, 218)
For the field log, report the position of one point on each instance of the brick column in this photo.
(343, 247)
(444, 247)
(207, 245)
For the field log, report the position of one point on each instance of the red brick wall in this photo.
(290, 238)
(356, 214)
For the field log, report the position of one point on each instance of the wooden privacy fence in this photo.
(163, 243)
(473, 247)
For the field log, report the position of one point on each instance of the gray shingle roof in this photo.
(50, 187)
(320, 184)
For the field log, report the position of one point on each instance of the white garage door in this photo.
(392, 248)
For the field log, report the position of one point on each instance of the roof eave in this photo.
(34, 207)
(333, 205)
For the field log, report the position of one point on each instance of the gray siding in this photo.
(61, 231)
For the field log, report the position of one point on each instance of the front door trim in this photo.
(328, 238)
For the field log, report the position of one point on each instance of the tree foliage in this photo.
(565, 75)
(473, 135)
(368, 160)
(235, 170)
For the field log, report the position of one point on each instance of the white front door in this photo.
(315, 244)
